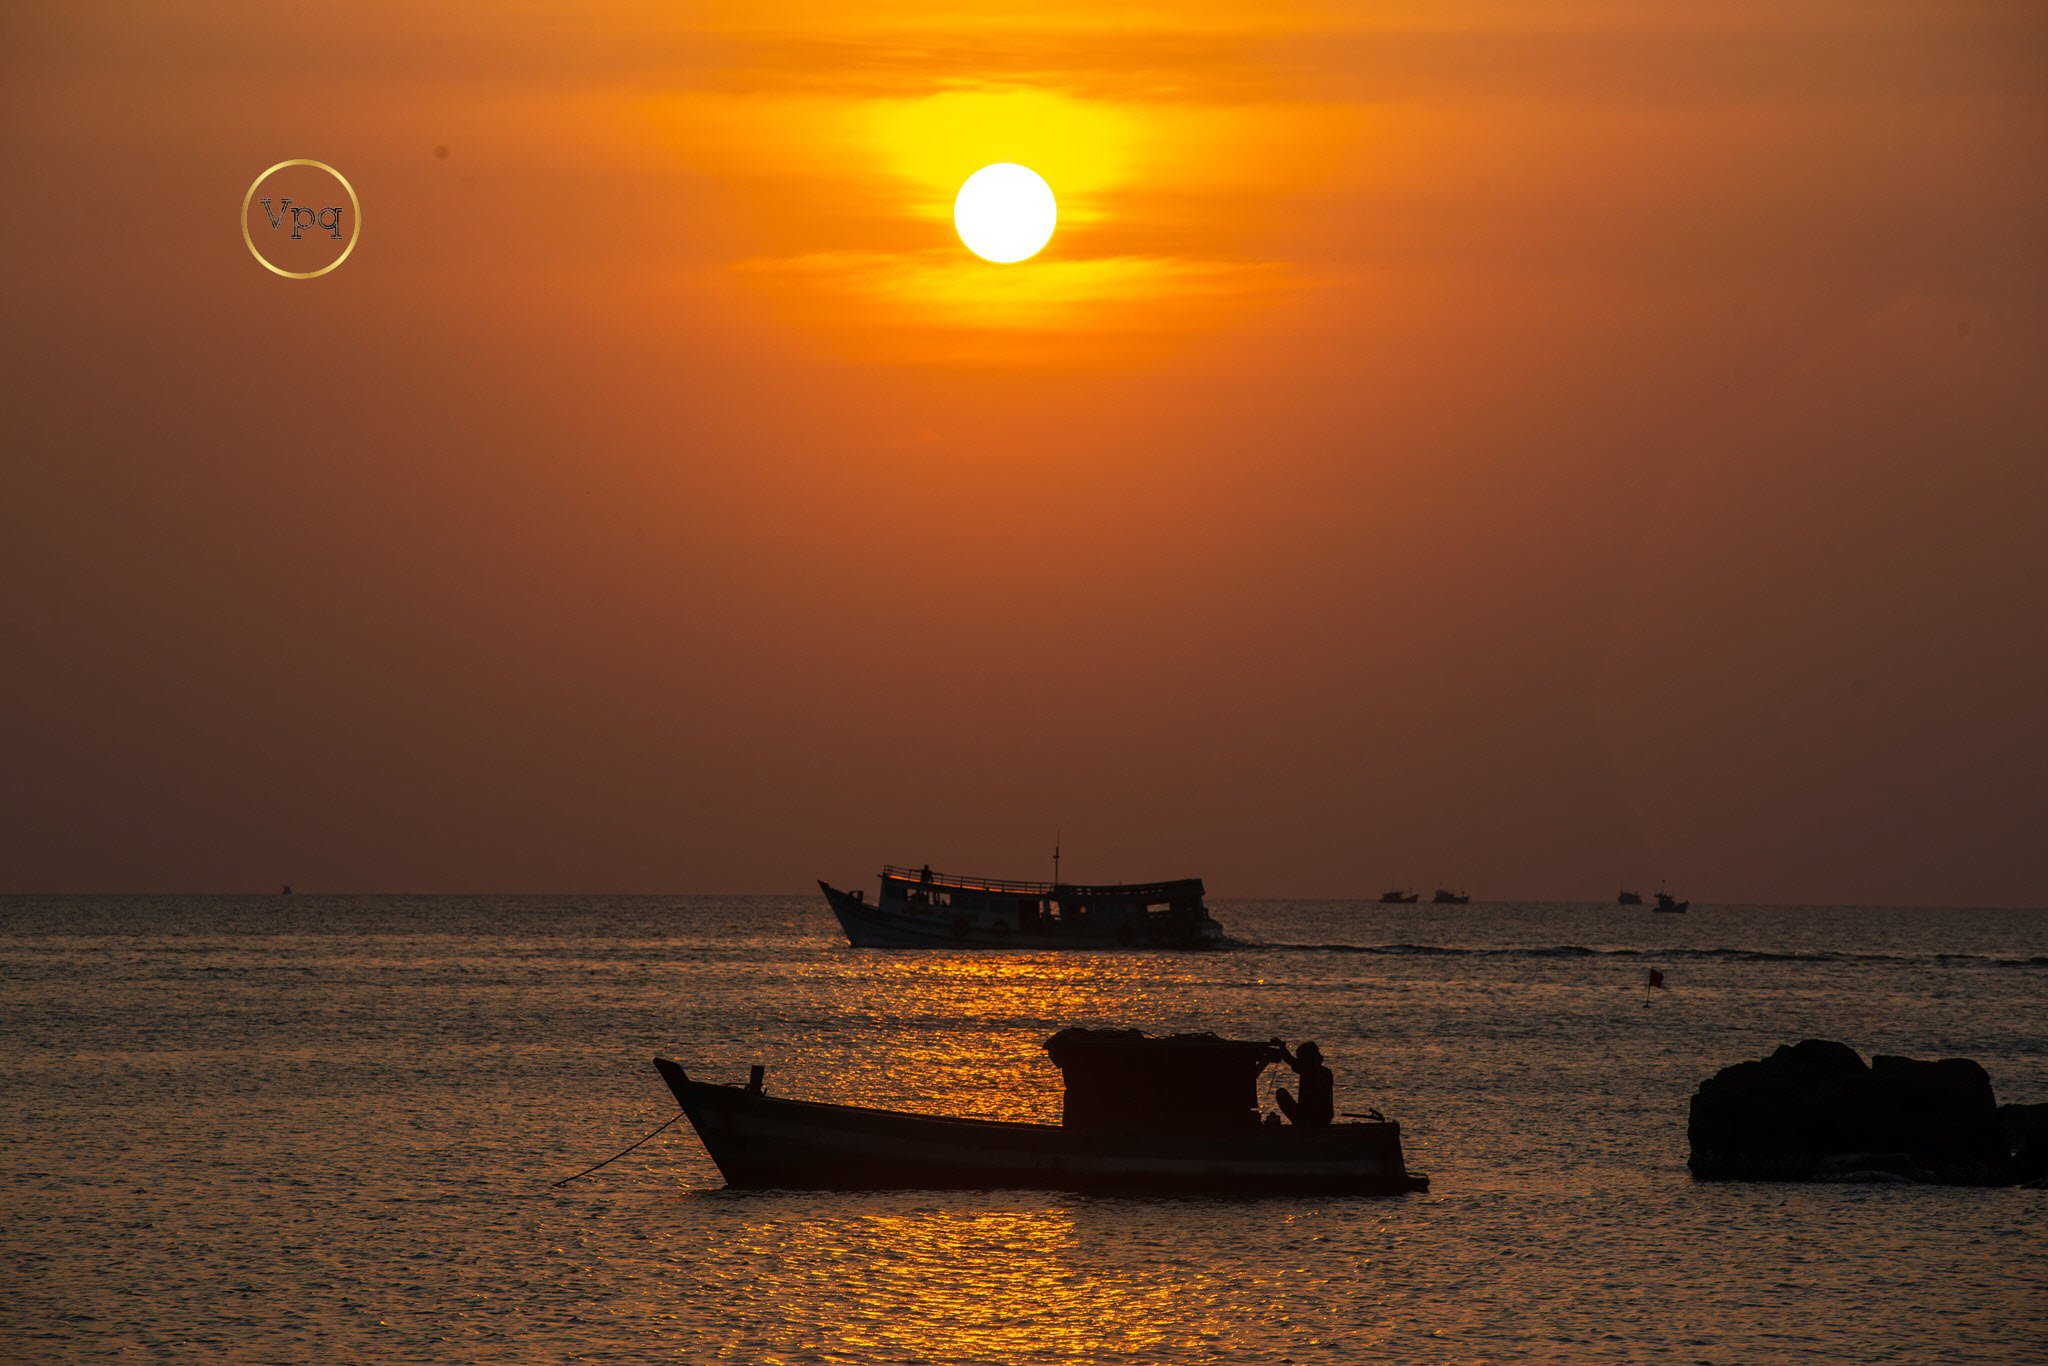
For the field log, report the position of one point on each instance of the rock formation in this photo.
(1813, 1111)
(2026, 1131)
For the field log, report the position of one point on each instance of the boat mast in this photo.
(1055, 858)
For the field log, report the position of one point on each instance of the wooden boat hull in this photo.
(763, 1142)
(870, 926)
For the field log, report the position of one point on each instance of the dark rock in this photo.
(1945, 1115)
(1813, 1111)
(2026, 1133)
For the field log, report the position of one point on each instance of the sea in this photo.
(337, 1129)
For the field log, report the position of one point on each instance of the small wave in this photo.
(1733, 955)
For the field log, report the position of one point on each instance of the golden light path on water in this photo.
(355, 1110)
(1056, 1282)
(996, 1276)
(997, 1068)
(991, 1276)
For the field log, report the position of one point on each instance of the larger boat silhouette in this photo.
(917, 908)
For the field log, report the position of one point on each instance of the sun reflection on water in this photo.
(909, 1279)
(977, 1024)
(997, 1285)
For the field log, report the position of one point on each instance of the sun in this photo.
(1005, 212)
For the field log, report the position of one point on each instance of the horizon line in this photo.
(1696, 902)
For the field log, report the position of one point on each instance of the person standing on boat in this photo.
(1318, 1103)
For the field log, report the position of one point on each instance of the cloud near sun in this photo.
(845, 157)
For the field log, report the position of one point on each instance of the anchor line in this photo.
(619, 1154)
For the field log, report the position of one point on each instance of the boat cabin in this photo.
(1123, 1080)
(1127, 913)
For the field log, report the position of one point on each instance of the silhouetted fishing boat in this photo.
(1140, 1114)
(1399, 898)
(1448, 898)
(1629, 899)
(917, 908)
(1665, 903)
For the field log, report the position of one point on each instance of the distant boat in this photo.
(1629, 899)
(917, 908)
(1665, 903)
(1447, 898)
(1399, 898)
(1141, 1114)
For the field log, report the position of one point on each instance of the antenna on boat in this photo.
(1056, 858)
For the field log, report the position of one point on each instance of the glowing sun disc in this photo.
(1005, 212)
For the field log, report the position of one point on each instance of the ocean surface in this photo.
(271, 1129)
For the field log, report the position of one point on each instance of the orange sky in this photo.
(1528, 447)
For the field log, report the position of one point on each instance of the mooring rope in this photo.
(621, 1153)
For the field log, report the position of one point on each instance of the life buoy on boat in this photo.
(960, 927)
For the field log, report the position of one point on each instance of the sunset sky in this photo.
(1532, 448)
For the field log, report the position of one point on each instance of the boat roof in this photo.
(921, 877)
(1079, 1044)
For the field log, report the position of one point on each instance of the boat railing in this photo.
(1187, 887)
(970, 884)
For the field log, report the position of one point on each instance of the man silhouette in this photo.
(1318, 1103)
